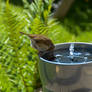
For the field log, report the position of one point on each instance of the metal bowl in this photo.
(62, 77)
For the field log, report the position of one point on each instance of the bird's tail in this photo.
(24, 33)
(29, 35)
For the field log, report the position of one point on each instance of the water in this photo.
(72, 55)
(71, 49)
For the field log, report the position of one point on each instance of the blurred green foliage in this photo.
(15, 2)
(79, 17)
(18, 61)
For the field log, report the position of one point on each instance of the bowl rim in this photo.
(51, 62)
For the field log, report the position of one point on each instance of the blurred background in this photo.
(60, 20)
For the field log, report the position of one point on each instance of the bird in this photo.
(42, 44)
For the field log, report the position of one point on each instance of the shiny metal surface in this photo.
(66, 78)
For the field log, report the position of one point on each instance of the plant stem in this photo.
(23, 81)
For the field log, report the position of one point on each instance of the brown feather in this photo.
(42, 44)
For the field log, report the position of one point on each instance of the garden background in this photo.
(18, 61)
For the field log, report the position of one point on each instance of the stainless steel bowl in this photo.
(75, 77)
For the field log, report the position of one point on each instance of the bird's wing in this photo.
(44, 42)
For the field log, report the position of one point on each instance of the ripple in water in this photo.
(73, 56)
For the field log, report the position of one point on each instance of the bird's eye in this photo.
(37, 41)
